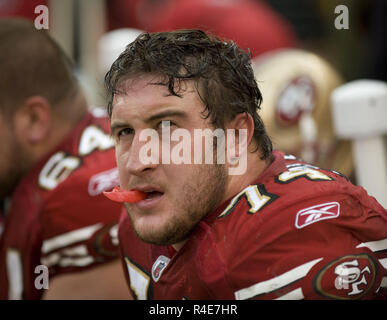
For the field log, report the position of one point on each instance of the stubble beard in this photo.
(199, 196)
(18, 165)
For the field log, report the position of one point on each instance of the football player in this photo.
(281, 229)
(58, 232)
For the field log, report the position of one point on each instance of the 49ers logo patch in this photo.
(320, 212)
(349, 277)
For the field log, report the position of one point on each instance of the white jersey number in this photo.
(57, 169)
(94, 138)
(257, 197)
(139, 280)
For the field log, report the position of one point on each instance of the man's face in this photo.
(12, 159)
(178, 195)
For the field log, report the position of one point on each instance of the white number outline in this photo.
(140, 280)
(256, 196)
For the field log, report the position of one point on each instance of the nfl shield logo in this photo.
(159, 266)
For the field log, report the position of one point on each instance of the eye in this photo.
(125, 132)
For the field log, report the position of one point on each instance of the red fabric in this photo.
(20, 8)
(40, 215)
(236, 249)
(171, 251)
(251, 24)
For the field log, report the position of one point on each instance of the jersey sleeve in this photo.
(328, 247)
(79, 224)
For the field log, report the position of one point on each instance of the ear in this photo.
(32, 120)
(242, 122)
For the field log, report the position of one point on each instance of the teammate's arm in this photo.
(100, 283)
(79, 245)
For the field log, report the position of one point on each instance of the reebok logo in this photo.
(317, 213)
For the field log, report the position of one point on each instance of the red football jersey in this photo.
(297, 232)
(58, 220)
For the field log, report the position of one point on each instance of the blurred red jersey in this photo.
(297, 232)
(58, 220)
(20, 8)
(251, 24)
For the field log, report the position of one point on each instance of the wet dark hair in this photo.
(221, 71)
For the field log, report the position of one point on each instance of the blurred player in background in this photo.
(281, 229)
(57, 158)
(251, 24)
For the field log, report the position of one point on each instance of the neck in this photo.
(254, 167)
(179, 245)
(236, 183)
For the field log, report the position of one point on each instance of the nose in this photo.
(143, 154)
